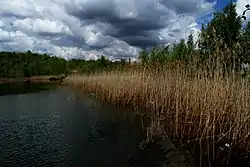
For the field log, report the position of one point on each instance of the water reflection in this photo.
(23, 87)
(50, 128)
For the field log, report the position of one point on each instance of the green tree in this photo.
(245, 43)
(190, 44)
(222, 34)
(143, 56)
(180, 51)
(226, 25)
(25, 64)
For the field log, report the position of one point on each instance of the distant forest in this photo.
(26, 64)
(18, 65)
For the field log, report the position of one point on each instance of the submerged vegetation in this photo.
(196, 93)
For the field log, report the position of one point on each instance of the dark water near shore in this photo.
(45, 125)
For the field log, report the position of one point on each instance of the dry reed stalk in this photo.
(194, 110)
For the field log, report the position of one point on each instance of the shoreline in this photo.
(32, 79)
(193, 123)
(173, 156)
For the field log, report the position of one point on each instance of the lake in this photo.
(46, 125)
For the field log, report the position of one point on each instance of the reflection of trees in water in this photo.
(20, 88)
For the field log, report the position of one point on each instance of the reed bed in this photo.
(209, 117)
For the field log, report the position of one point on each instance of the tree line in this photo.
(94, 66)
(26, 64)
(222, 44)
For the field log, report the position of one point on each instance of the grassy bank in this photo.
(210, 117)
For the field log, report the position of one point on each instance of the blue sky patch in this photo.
(220, 4)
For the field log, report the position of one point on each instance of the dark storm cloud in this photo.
(136, 30)
(181, 6)
(89, 28)
(68, 41)
(126, 28)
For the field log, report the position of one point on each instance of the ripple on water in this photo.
(40, 131)
(34, 142)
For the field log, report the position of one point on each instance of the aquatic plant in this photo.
(192, 111)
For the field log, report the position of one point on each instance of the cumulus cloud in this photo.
(91, 28)
(44, 27)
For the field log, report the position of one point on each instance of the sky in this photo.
(88, 29)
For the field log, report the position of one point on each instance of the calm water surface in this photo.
(45, 125)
